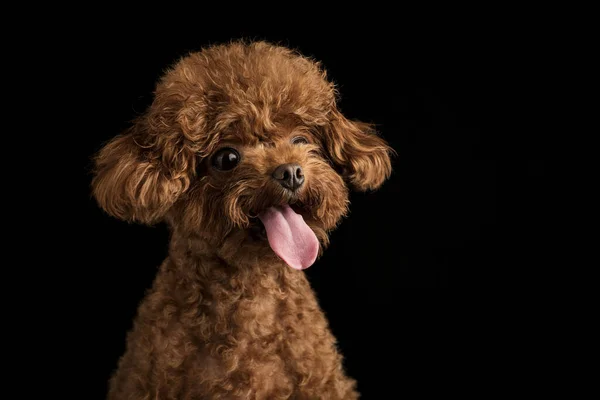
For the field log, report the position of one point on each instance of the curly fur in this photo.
(226, 318)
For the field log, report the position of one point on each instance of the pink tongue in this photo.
(290, 237)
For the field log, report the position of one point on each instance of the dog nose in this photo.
(289, 176)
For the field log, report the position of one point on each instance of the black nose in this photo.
(289, 176)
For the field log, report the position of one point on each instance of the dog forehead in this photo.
(249, 135)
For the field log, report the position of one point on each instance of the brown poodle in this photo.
(245, 155)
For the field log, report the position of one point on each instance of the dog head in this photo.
(242, 143)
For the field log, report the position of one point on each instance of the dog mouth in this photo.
(288, 234)
(257, 229)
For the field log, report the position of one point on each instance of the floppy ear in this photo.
(361, 155)
(138, 177)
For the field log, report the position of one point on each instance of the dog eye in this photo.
(299, 140)
(226, 159)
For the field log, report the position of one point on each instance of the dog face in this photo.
(240, 142)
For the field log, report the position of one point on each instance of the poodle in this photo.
(246, 157)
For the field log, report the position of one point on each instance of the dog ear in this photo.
(354, 147)
(139, 176)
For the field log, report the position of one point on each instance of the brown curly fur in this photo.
(226, 318)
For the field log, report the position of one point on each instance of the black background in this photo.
(441, 91)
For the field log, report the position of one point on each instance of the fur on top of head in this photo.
(253, 107)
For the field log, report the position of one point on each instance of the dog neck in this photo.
(238, 254)
(227, 285)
